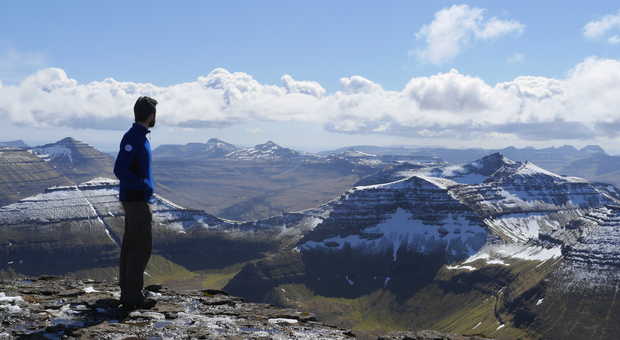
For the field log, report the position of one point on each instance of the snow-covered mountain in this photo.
(268, 151)
(461, 209)
(357, 158)
(213, 148)
(468, 173)
(23, 174)
(75, 159)
(63, 150)
(43, 233)
(523, 236)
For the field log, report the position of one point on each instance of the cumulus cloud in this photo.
(582, 105)
(601, 28)
(457, 27)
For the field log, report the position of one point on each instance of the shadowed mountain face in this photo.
(480, 246)
(28, 171)
(23, 174)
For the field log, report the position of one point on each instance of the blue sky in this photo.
(169, 43)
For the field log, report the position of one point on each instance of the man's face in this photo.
(152, 122)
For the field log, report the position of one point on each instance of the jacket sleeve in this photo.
(122, 167)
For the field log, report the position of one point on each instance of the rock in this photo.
(153, 288)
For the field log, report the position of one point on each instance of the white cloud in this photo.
(582, 105)
(455, 28)
(358, 84)
(311, 88)
(599, 28)
(496, 28)
(614, 39)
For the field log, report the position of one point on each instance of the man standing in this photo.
(133, 169)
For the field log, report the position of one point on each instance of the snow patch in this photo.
(283, 320)
(497, 253)
(90, 289)
(470, 268)
(52, 152)
(455, 233)
(10, 299)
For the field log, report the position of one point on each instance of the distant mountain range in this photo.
(213, 148)
(255, 182)
(552, 158)
(14, 144)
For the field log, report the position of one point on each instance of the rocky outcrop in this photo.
(54, 308)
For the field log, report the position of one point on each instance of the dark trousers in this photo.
(135, 251)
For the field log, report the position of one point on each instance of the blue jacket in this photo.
(133, 166)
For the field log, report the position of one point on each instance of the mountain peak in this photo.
(592, 149)
(523, 172)
(215, 141)
(414, 181)
(269, 144)
(265, 151)
(67, 141)
(488, 164)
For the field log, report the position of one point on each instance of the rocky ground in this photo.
(51, 307)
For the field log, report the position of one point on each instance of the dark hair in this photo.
(144, 107)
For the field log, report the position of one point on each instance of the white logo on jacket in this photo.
(128, 147)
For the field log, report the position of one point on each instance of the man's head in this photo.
(144, 111)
